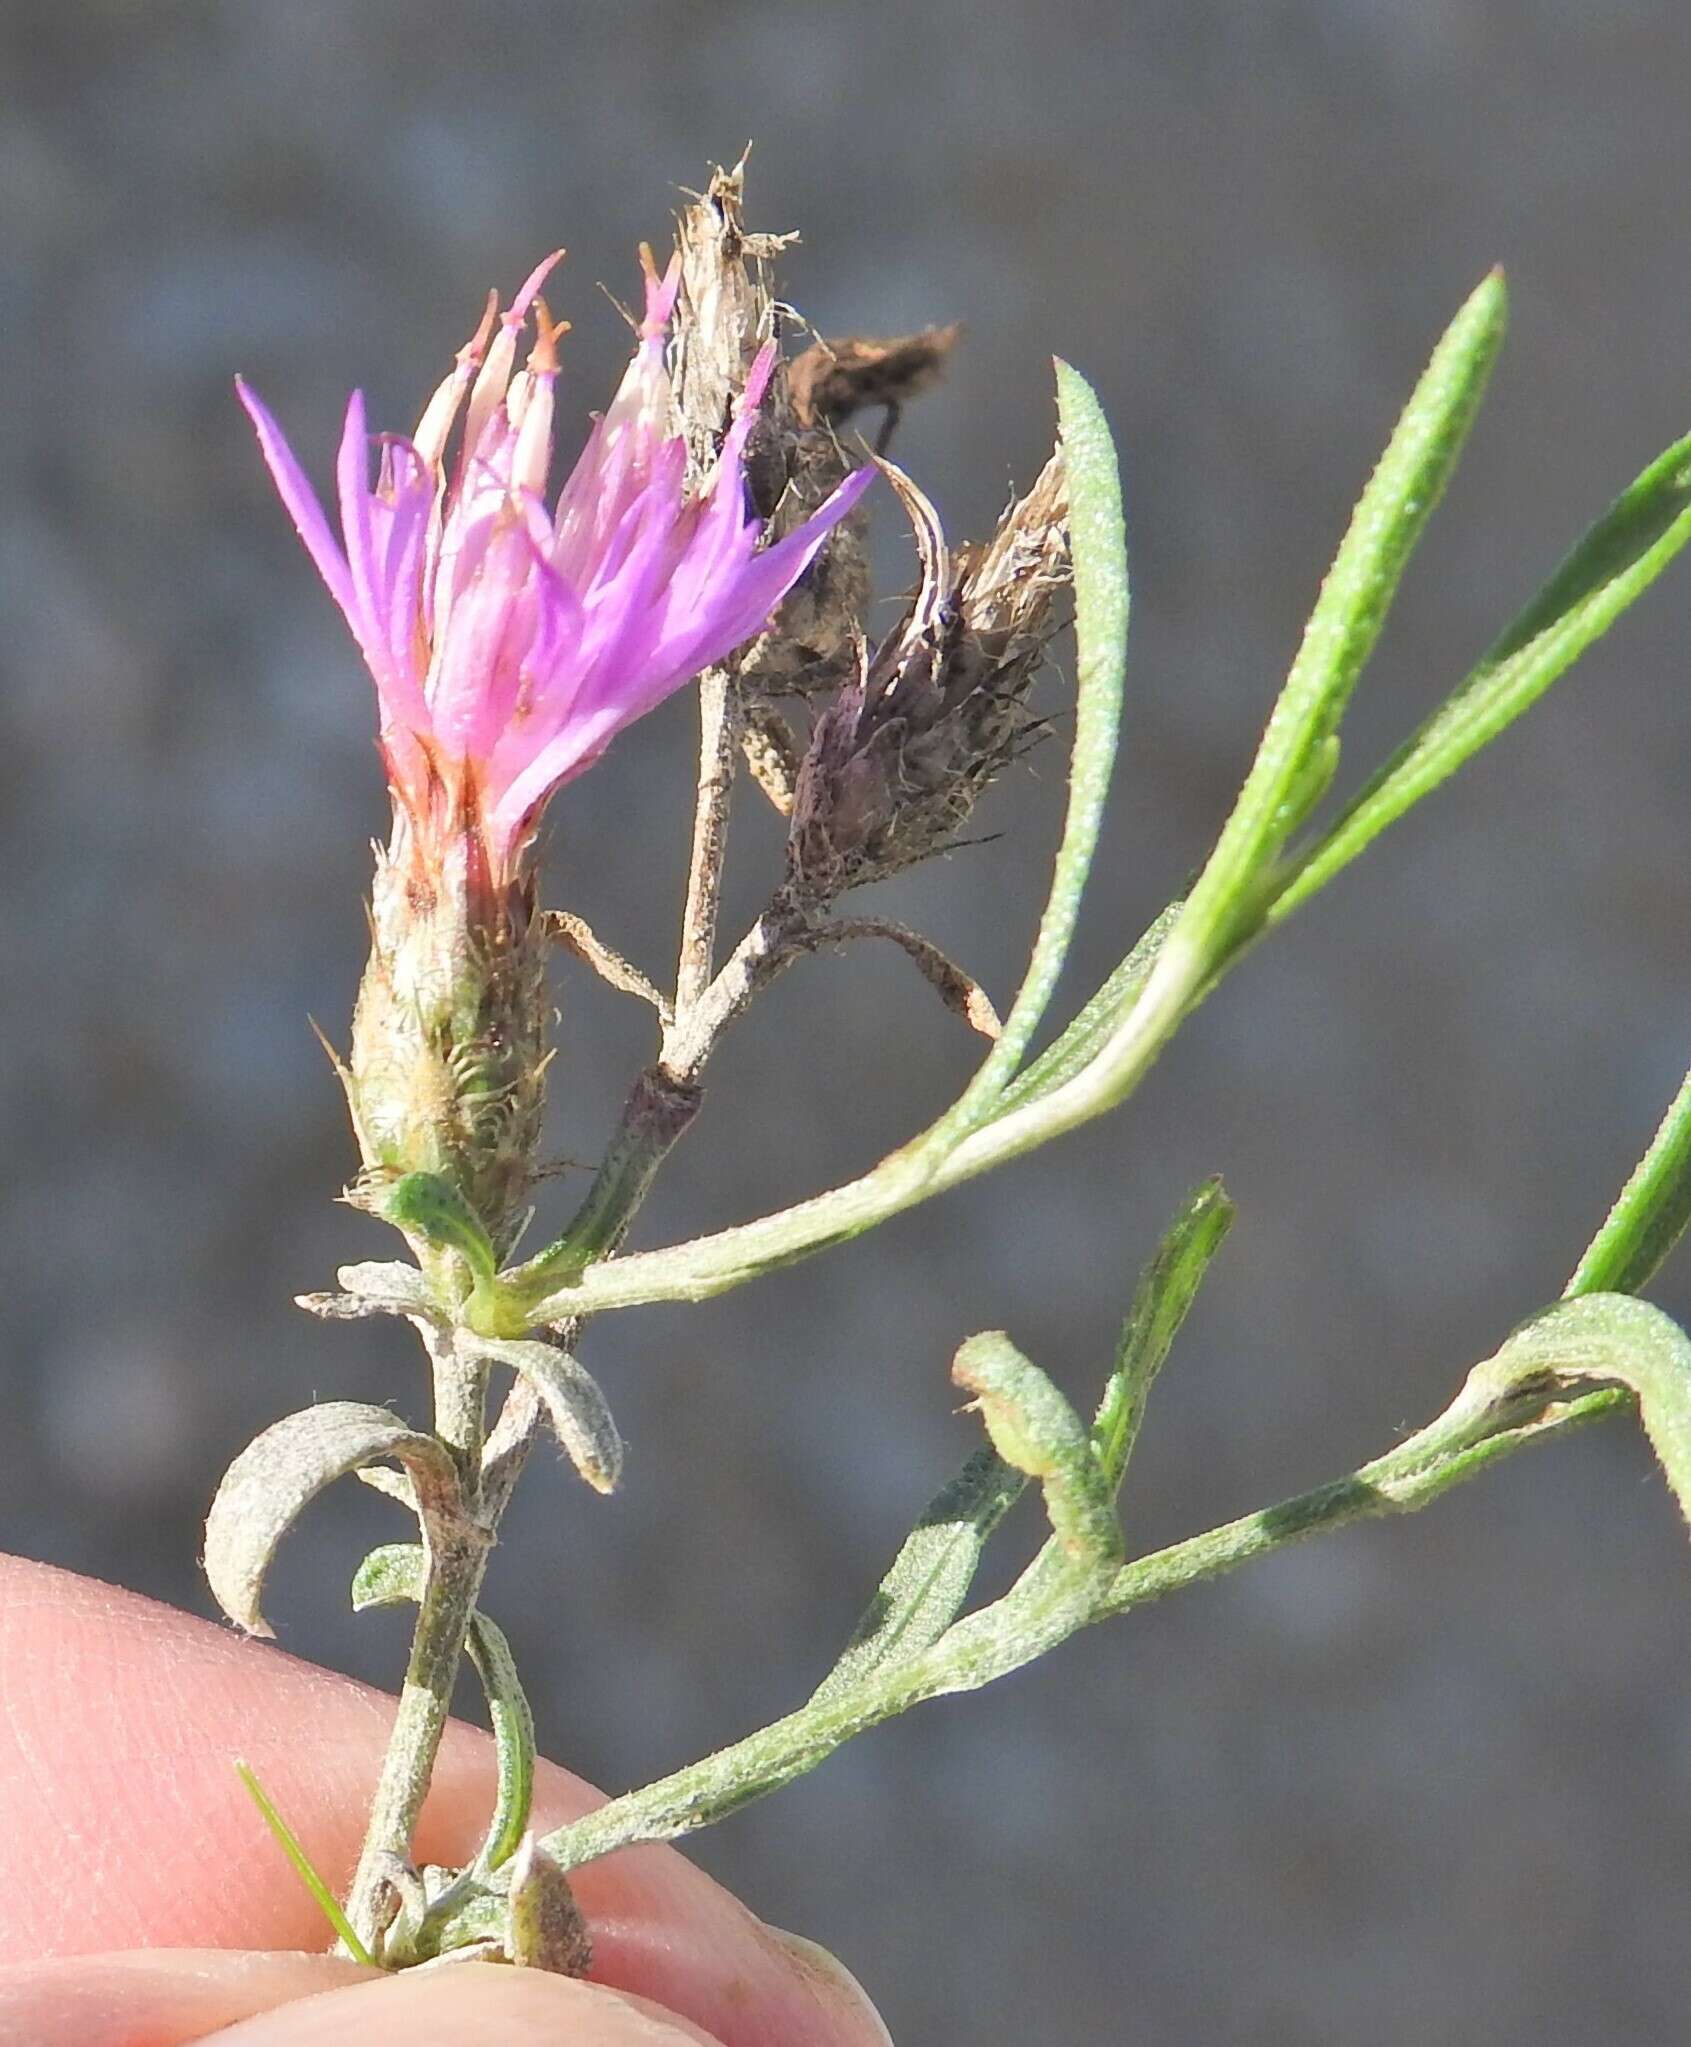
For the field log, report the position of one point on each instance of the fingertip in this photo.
(470, 2005)
(860, 2024)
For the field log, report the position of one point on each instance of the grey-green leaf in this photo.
(1096, 1023)
(387, 1287)
(1613, 565)
(1098, 550)
(426, 1205)
(574, 1404)
(281, 1471)
(924, 1590)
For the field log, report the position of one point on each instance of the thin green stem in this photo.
(457, 1551)
(1014, 1631)
(450, 1589)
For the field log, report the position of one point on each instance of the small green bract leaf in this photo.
(424, 1205)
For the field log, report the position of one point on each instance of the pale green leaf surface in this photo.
(1165, 1293)
(1035, 1430)
(1617, 1338)
(1294, 759)
(1098, 551)
(1610, 569)
(925, 1587)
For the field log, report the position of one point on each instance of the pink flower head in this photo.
(510, 643)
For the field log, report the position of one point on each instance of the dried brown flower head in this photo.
(897, 761)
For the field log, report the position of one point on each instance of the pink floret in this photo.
(510, 643)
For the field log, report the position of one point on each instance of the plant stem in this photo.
(1016, 1629)
(719, 746)
(659, 1109)
(457, 1553)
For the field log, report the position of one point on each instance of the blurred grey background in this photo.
(1423, 1780)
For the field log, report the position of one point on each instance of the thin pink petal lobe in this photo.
(509, 643)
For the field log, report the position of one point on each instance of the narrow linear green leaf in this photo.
(288, 1841)
(1650, 1214)
(1483, 1426)
(1296, 756)
(1610, 569)
(1166, 1290)
(1098, 551)
(513, 1740)
(925, 1587)
(393, 1575)
(924, 1590)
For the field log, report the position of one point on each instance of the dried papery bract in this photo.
(795, 461)
(896, 763)
(797, 458)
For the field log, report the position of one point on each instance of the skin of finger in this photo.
(121, 1725)
(172, 1997)
(155, 1998)
(472, 2006)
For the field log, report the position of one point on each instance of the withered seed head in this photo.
(897, 761)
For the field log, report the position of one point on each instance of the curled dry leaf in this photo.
(578, 937)
(576, 1408)
(384, 1288)
(832, 380)
(1035, 1430)
(281, 1471)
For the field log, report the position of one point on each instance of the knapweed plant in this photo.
(711, 533)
